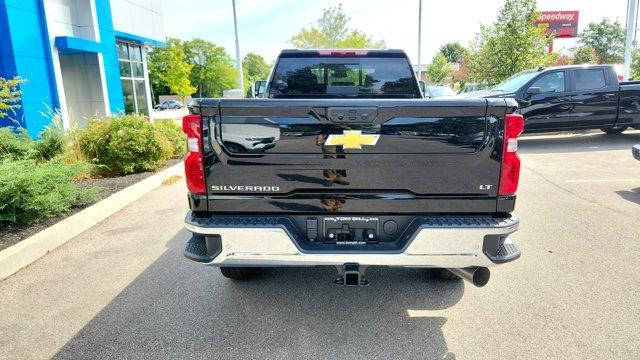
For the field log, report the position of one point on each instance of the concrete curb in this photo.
(34, 247)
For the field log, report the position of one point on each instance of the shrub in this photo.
(56, 141)
(30, 192)
(124, 145)
(9, 94)
(173, 132)
(50, 145)
(73, 152)
(15, 145)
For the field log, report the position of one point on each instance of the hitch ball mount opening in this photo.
(351, 274)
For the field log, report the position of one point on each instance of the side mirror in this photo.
(259, 87)
(423, 86)
(534, 90)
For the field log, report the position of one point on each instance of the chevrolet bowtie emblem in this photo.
(352, 139)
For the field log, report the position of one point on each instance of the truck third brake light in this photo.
(343, 52)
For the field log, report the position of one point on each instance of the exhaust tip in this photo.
(481, 276)
(478, 276)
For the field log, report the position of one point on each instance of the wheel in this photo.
(240, 273)
(176, 107)
(614, 130)
(444, 274)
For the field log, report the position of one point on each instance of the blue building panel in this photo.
(24, 54)
(37, 94)
(25, 51)
(109, 55)
(27, 35)
(73, 45)
(29, 5)
(6, 48)
(7, 60)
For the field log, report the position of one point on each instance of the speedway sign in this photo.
(564, 23)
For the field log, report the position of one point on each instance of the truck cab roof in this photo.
(337, 52)
(565, 67)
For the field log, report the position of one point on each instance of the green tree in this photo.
(584, 54)
(156, 63)
(462, 73)
(168, 68)
(439, 69)
(254, 68)
(635, 64)
(607, 39)
(332, 32)
(512, 44)
(9, 95)
(213, 69)
(453, 51)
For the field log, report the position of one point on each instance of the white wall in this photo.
(82, 87)
(76, 18)
(71, 18)
(138, 17)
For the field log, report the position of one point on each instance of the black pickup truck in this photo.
(571, 98)
(344, 164)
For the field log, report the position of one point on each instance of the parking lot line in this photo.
(602, 180)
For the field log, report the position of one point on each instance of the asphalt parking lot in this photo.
(124, 290)
(174, 114)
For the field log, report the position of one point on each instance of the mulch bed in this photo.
(12, 234)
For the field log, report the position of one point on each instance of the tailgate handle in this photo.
(352, 114)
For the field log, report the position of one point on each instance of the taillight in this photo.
(193, 162)
(510, 169)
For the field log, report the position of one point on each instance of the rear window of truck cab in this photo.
(304, 77)
(589, 79)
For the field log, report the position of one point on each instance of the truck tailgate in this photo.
(353, 155)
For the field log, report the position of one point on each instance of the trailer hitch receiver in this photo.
(351, 274)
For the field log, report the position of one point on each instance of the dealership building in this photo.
(85, 58)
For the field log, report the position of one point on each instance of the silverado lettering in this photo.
(244, 188)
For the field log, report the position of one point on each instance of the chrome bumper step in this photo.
(448, 242)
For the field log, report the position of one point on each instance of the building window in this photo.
(132, 78)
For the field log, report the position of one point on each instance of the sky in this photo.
(265, 26)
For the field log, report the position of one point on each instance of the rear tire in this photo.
(240, 273)
(614, 130)
(444, 274)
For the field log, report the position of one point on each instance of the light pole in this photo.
(632, 16)
(201, 64)
(238, 62)
(419, 39)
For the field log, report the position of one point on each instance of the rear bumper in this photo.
(636, 151)
(443, 242)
